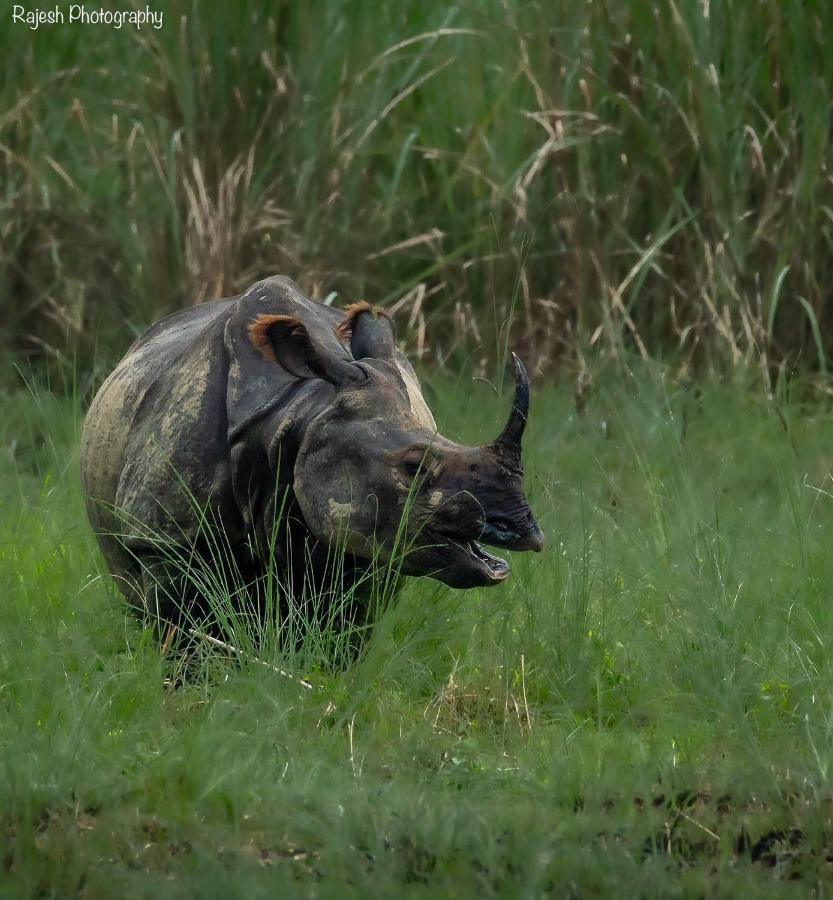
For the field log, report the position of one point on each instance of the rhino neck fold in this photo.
(263, 451)
(281, 431)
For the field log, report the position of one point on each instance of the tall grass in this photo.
(645, 703)
(190, 586)
(649, 177)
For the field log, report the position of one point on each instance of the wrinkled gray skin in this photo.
(214, 408)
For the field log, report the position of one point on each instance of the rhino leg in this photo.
(167, 596)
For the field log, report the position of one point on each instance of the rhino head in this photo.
(370, 468)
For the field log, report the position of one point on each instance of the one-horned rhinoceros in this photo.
(290, 426)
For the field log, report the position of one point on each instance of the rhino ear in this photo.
(369, 331)
(273, 337)
(285, 340)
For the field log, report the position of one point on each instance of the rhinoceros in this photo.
(289, 425)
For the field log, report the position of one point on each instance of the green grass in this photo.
(647, 703)
(642, 177)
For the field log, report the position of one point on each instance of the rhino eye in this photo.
(416, 466)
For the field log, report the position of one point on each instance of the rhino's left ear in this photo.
(268, 352)
(368, 330)
(286, 340)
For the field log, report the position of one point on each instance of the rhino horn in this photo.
(509, 440)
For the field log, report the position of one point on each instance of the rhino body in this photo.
(287, 426)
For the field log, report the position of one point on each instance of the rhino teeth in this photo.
(498, 567)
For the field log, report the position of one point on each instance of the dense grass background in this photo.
(646, 703)
(635, 193)
(645, 175)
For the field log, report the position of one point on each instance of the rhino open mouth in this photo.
(493, 567)
(456, 560)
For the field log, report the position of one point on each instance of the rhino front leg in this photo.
(168, 596)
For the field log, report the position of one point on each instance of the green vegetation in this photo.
(646, 703)
(638, 194)
(646, 175)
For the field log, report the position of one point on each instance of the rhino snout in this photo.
(502, 532)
